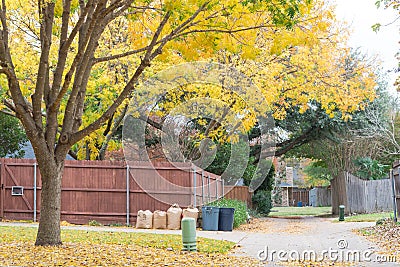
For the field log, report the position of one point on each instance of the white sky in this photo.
(361, 15)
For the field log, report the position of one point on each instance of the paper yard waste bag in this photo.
(144, 219)
(159, 219)
(174, 214)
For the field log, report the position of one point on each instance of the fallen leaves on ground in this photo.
(90, 248)
(65, 223)
(318, 264)
(296, 227)
(161, 241)
(266, 225)
(76, 254)
(258, 225)
(386, 235)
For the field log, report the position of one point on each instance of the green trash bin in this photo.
(209, 216)
(225, 221)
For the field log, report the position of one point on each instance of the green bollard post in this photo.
(189, 234)
(341, 213)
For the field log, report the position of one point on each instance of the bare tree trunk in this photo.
(49, 233)
(339, 192)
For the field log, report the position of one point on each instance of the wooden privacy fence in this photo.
(320, 197)
(396, 187)
(300, 195)
(105, 191)
(240, 193)
(368, 196)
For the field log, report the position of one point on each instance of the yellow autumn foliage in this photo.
(290, 66)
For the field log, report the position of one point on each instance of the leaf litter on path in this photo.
(386, 235)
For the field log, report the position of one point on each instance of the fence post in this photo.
(127, 196)
(223, 186)
(202, 187)
(34, 191)
(394, 194)
(216, 188)
(194, 185)
(209, 190)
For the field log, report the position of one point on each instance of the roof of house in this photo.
(283, 184)
(29, 154)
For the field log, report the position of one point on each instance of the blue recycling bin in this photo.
(225, 221)
(299, 204)
(210, 216)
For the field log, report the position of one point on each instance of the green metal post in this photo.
(341, 213)
(189, 234)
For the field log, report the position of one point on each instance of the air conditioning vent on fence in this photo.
(17, 190)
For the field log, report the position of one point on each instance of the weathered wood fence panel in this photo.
(320, 197)
(240, 193)
(300, 195)
(105, 191)
(368, 196)
(396, 185)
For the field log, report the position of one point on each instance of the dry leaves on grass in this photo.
(258, 225)
(89, 248)
(386, 236)
(75, 254)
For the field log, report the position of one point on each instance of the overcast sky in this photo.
(361, 15)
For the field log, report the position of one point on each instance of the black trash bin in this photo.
(225, 220)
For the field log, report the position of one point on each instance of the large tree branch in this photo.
(118, 56)
(46, 11)
(20, 105)
(87, 44)
(285, 146)
(126, 91)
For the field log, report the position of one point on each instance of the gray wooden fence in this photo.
(368, 196)
(320, 197)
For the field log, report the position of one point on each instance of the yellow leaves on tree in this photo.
(292, 66)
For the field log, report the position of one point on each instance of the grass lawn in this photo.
(372, 217)
(300, 211)
(162, 241)
(92, 248)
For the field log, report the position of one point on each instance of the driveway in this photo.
(296, 238)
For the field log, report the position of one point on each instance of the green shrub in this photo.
(240, 216)
(262, 201)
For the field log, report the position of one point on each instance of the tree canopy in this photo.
(68, 68)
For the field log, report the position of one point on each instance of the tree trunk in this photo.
(49, 233)
(339, 193)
